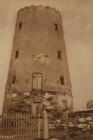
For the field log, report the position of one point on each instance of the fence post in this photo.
(46, 127)
(67, 125)
(38, 127)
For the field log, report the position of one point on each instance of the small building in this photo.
(89, 104)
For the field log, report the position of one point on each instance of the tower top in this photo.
(34, 7)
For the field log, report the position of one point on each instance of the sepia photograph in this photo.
(46, 70)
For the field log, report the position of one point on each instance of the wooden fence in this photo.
(77, 125)
(20, 127)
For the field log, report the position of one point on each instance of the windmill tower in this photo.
(38, 77)
(38, 66)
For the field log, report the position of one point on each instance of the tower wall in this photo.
(38, 47)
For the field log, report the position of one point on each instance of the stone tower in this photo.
(38, 65)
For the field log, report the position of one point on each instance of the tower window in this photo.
(61, 80)
(56, 27)
(13, 79)
(20, 25)
(16, 54)
(37, 81)
(59, 54)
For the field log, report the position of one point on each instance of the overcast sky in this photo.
(77, 16)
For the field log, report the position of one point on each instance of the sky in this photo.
(77, 20)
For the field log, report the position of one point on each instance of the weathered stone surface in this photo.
(38, 49)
